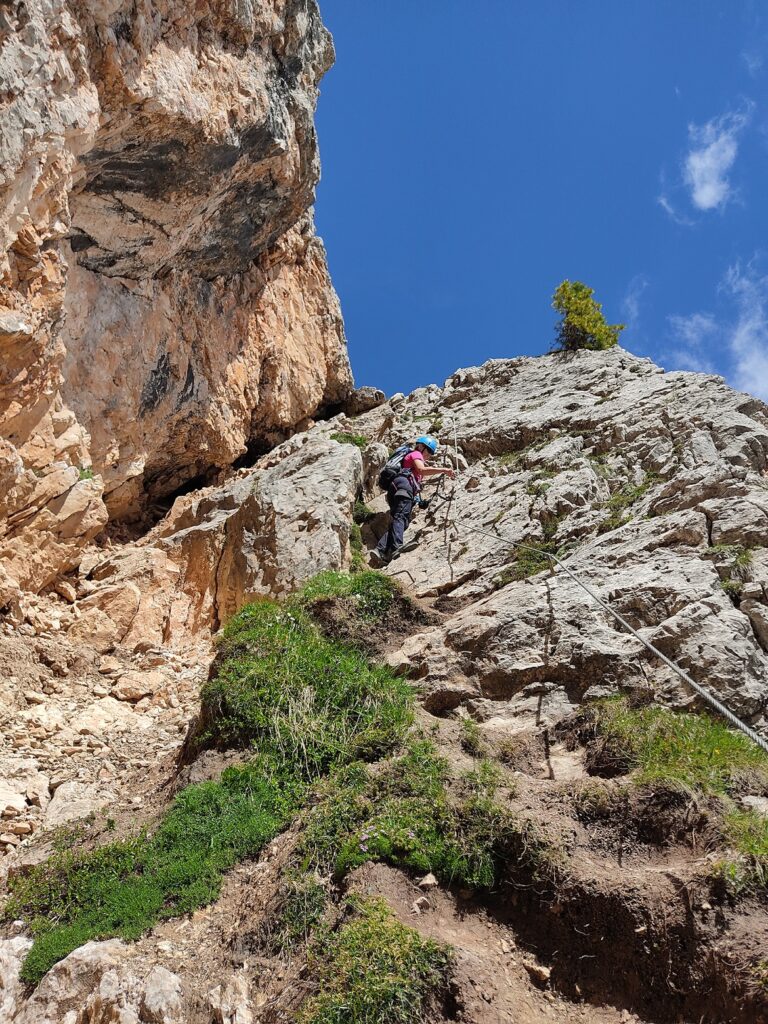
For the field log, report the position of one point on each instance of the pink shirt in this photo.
(412, 461)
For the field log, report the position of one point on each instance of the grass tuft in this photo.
(374, 592)
(375, 970)
(471, 737)
(304, 902)
(403, 815)
(305, 704)
(358, 440)
(620, 501)
(286, 690)
(689, 750)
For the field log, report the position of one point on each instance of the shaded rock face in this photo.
(164, 302)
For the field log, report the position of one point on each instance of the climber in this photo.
(404, 493)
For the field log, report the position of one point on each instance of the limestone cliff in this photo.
(172, 359)
(164, 302)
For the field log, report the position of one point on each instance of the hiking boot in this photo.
(410, 546)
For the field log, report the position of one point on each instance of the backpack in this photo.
(393, 465)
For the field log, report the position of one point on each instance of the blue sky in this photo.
(475, 155)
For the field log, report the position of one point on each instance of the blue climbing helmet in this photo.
(428, 442)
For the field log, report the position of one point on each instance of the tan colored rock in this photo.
(100, 717)
(132, 686)
(66, 590)
(109, 666)
(73, 800)
(107, 616)
(164, 302)
(262, 533)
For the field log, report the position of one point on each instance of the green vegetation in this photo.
(582, 323)
(402, 815)
(312, 713)
(373, 592)
(694, 751)
(374, 970)
(621, 500)
(539, 483)
(532, 559)
(358, 440)
(124, 888)
(700, 755)
(732, 588)
(306, 704)
(361, 513)
(518, 458)
(747, 832)
(600, 465)
(471, 737)
(304, 902)
(357, 562)
(85, 473)
(733, 562)
(287, 690)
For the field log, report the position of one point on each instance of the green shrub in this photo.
(374, 970)
(582, 323)
(621, 500)
(362, 513)
(358, 440)
(533, 559)
(402, 815)
(85, 473)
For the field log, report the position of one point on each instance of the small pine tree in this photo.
(583, 324)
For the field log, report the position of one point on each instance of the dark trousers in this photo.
(400, 507)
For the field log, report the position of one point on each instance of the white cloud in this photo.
(666, 204)
(753, 61)
(737, 344)
(748, 336)
(630, 304)
(693, 336)
(714, 147)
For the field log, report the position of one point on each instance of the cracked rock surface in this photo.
(165, 305)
